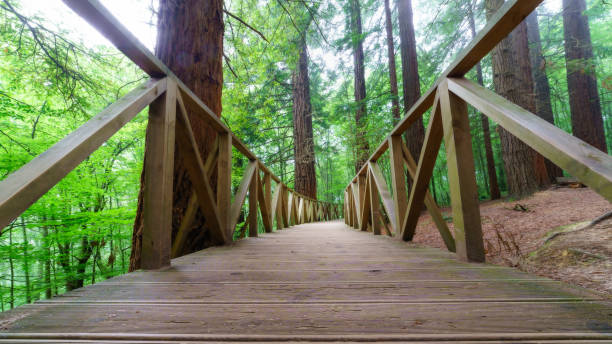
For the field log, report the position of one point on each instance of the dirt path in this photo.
(514, 233)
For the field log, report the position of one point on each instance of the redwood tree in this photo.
(509, 78)
(190, 43)
(542, 87)
(587, 121)
(303, 147)
(392, 69)
(415, 135)
(361, 143)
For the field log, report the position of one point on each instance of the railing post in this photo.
(224, 183)
(398, 178)
(461, 176)
(159, 170)
(374, 205)
(253, 203)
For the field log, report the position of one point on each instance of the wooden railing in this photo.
(169, 101)
(448, 99)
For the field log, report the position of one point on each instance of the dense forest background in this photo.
(53, 79)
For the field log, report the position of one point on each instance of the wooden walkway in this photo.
(317, 282)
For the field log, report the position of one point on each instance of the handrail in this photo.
(169, 101)
(449, 121)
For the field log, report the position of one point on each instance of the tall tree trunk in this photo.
(587, 121)
(360, 86)
(47, 261)
(415, 135)
(12, 269)
(542, 87)
(190, 43)
(486, 131)
(26, 262)
(303, 147)
(509, 80)
(395, 111)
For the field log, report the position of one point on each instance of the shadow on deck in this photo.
(318, 282)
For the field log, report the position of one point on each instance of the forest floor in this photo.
(515, 232)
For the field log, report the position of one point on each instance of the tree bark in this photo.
(415, 135)
(395, 111)
(587, 121)
(484, 120)
(542, 87)
(362, 147)
(190, 43)
(509, 78)
(303, 147)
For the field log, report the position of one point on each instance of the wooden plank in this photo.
(290, 208)
(430, 203)
(240, 195)
(381, 185)
(159, 173)
(268, 197)
(461, 176)
(365, 203)
(275, 206)
(427, 161)
(356, 205)
(374, 205)
(224, 183)
(198, 175)
(188, 217)
(253, 190)
(25, 186)
(264, 204)
(398, 179)
(590, 165)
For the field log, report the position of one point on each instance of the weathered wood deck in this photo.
(319, 282)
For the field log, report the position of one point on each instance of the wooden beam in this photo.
(253, 190)
(264, 205)
(240, 196)
(461, 176)
(186, 221)
(224, 183)
(398, 179)
(427, 161)
(365, 204)
(26, 185)
(159, 173)
(430, 203)
(276, 202)
(374, 204)
(383, 191)
(588, 164)
(268, 197)
(190, 153)
(356, 206)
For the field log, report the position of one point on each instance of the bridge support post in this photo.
(461, 176)
(159, 170)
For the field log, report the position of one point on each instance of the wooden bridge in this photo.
(313, 278)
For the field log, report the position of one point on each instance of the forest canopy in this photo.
(57, 73)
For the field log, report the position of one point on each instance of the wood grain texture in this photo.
(319, 282)
(240, 196)
(158, 171)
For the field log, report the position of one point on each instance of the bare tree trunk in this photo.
(26, 262)
(360, 86)
(508, 77)
(190, 43)
(415, 135)
(486, 131)
(542, 87)
(392, 69)
(303, 147)
(587, 121)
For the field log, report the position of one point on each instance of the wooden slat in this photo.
(383, 191)
(374, 205)
(430, 203)
(284, 206)
(398, 179)
(264, 205)
(240, 195)
(276, 201)
(461, 176)
(159, 173)
(588, 164)
(187, 220)
(25, 186)
(427, 161)
(253, 190)
(365, 204)
(224, 183)
(198, 175)
(268, 197)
